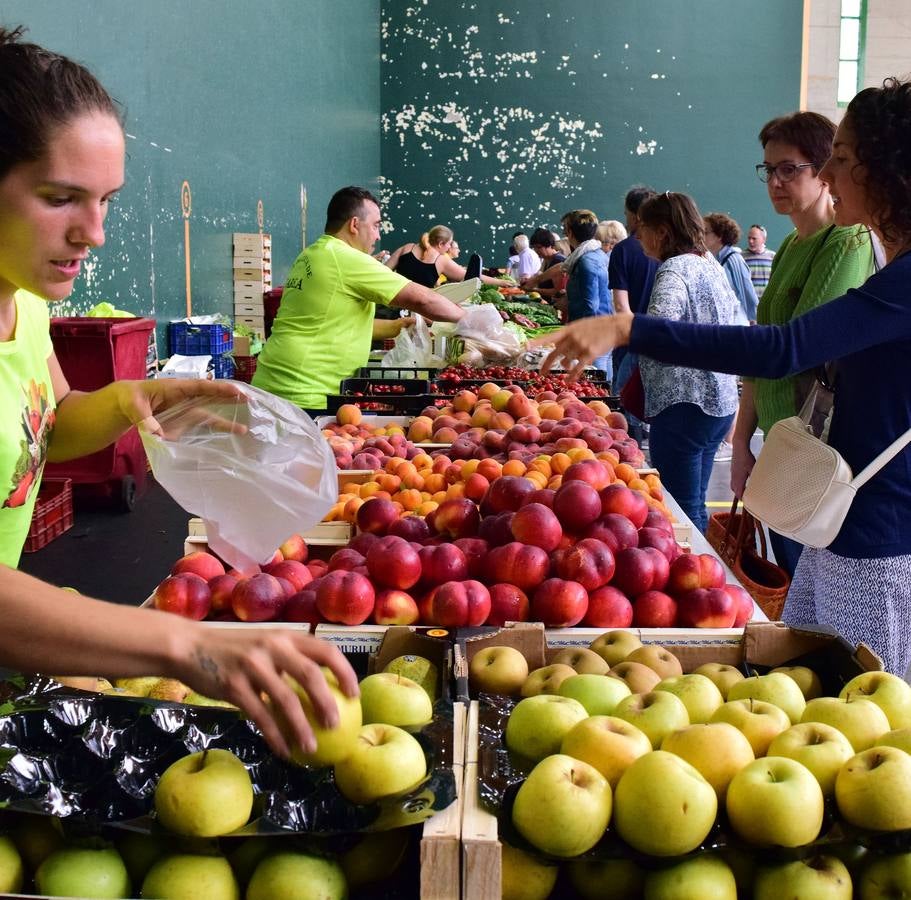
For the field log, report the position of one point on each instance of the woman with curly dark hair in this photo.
(721, 236)
(861, 583)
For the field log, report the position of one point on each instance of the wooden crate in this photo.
(322, 540)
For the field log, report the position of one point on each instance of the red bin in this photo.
(93, 353)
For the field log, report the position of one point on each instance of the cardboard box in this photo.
(256, 287)
(254, 323)
(248, 309)
(245, 296)
(251, 261)
(764, 645)
(251, 273)
(757, 644)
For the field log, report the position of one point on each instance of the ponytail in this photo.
(425, 241)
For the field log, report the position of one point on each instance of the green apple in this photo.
(900, 738)
(246, 855)
(609, 744)
(374, 857)
(497, 670)
(297, 876)
(546, 680)
(807, 680)
(815, 878)
(699, 694)
(887, 876)
(191, 876)
(658, 659)
(12, 871)
(663, 806)
(609, 879)
(873, 789)
(721, 675)
(861, 721)
(394, 700)
(615, 646)
(36, 837)
(563, 807)
(889, 692)
(821, 748)
(83, 872)
(418, 669)
(204, 794)
(524, 877)
(597, 693)
(537, 725)
(717, 750)
(706, 876)
(759, 721)
(197, 699)
(384, 761)
(583, 660)
(139, 851)
(775, 801)
(139, 687)
(332, 744)
(656, 714)
(638, 677)
(777, 688)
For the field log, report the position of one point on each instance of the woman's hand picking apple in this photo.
(241, 668)
(580, 342)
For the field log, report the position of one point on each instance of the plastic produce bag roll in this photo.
(257, 470)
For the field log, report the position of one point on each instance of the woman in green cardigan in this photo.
(817, 262)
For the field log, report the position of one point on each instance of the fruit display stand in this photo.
(762, 645)
(429, 813)
(322, 540)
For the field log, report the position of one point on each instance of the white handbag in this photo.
(802, 488)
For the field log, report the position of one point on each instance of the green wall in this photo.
(499, 116)
(245, 101)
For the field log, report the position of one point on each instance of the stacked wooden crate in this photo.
(252, 278)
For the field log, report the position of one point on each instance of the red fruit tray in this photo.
(53, 513)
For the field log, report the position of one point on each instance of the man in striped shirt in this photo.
(758, 258)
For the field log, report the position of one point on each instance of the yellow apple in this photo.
(873, 789)
(293, 875)
(721, 675)
(776, 688)
(205, 794)
(807, 680)
(537, 725)
(821, 748)
(525, 877)
(12, 871)
(394, 700)
(609, 744)
(546, 680)
(498, 670)
(699, 694)
(816, 878)
(889, 692)
(861, 721)
(614, 646)
(191, 876)
(584, 661)
(707, 877)
(655, 714)
(657, 658)
(384, 761)
(760, 722)
(718, 751)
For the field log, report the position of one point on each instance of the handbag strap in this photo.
(885, 457)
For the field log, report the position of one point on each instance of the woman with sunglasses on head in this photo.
(818, 261)
(861, 583)
(61, 163)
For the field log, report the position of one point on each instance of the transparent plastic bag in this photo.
(255, 471)
(485, 337)
(413, 348)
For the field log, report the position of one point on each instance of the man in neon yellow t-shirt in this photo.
(326, 321)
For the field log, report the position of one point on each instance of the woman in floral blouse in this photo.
(689, 410)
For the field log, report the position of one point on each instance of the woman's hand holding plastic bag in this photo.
(253, 466)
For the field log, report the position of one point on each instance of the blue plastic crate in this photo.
(199, 340)
(223, 366)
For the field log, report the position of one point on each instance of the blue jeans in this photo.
(787, 552)
(682, 441)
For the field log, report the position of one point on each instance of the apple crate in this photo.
(764, 645)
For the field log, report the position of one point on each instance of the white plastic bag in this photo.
(255, 471)
(485, 338)
(413, 348)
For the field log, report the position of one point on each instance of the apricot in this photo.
(489, 468)
(469, 467)
(410, 499)
(560, 462)
(368, 489)
(514, 467)
(625, 472)
(555, 482)
(455, 490)
(428, 507)
(348, 414)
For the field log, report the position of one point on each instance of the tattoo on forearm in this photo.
(208, 665)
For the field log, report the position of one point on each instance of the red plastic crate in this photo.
(244, 368)
(53, 514)
(271, 302)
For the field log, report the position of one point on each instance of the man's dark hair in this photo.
(636, 196)
(345, 204)
(541, 237)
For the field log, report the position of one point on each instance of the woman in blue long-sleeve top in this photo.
(861, 583)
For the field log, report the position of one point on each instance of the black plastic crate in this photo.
(391, 404)
(199, 340)
(384, 387)
(385, 373)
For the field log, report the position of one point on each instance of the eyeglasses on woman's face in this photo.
(785, 172)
